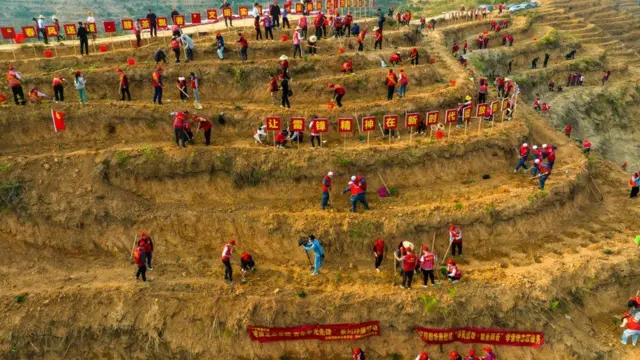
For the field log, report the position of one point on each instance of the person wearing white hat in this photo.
(296, 42)
(284, 64)
(311, 45)
(524, 154)
(326, 188)
(41, 25)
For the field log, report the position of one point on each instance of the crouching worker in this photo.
(453, 273)
(261, 134)
(246, 264)
(633, 329)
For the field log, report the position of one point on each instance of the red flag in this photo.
(109, 26)
(196, 18)
(58, 120)
(8, 32)
(3, 98)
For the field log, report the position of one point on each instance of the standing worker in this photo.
(84, 39)
(189, 45)
(138, 257)
(156, 79)
(268, 27)
(220, 45)
(275, 13)
(403, 80)
(357, 195)
(179, 119)
(312, 244)
(391, 81)
(147, 243)
(338, 93)
(315, 136)
(546, 60)
(377, 33)
(15, 83)
(361, 37)
(182, 87)
(286, 92)
(408, 267)
(58, 88)
(326, 189)
(524, 154)
(244, 46)
(153, 23)
(229, 18)
(414, 56)
(195, 86)
(455, 238)
(378, 253)
(137, 30)
(427, 263)
(634, 182)
(227, 251)
(175, 46)
(297, 49)
(124, 84)
(79, 84)
(567, 130)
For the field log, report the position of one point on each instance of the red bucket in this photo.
(103, 48)
(131, 61)
(439, 134)
(452, 83)
(48, 53)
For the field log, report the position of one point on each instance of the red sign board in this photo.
(390, 122)
(320, 125)
(369, 123)
(433, 118)
(8, 32)
(495, 107)
(360, 3)
(145, 23)
(480, 336)
(345, 125)
(91, 28)
(481, 109)
(309, 7)
(127, 24)
(412, 120)
(109, 26)
(70, 29)
(331, 332)
(227, 12)
(318, 5)
(342, 3)
(296, 124)
(178, 20)
(196, 18)
(505, 103)
(466, 113)
(451, 116)
(212, 14)
(243, 11)
(299, 7)
(273, 123)
(162, 22)
(51, 30)
(29, 32)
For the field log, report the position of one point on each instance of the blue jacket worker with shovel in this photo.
(312, 244)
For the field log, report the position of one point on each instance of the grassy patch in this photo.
(559, 305)
(253, 177)
(607, 252)
(151, 153)
(458, 206)
(10, 194)
(122, 158)
(5, 168)
(19, 299)
(301, 294)
(343, 161)
(427, 303)
(550, 40)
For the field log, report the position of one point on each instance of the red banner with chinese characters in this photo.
(109, 26)
(51, 30)
(145, 24)
(390, 122)
(345, 125)
(273, 123)
(368, 123)
(309, 7)
(341, 4)
(162, 22)
(451, 116)
(466, 113)
(360, 3)
(212, 14)
(480, 336)
(30, 31)
(227, 12)
(299, 8)
(481, 109)
(495, 107)
(318, 5)
(331, 332)
(296, 124)
(8, 33)
(320, 125)
(505, 104)
(70, 29)
(196, 18)
(411, 120)
(433, 117)
(243, 11)
(127, 24)
(178, 20)
(91, 28)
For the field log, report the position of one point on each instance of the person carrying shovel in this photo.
(227, 251)
(182, 86)
(455, 239)
(204, 125)
(312, 244)
(357, 195)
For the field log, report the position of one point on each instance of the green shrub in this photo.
(550, 40)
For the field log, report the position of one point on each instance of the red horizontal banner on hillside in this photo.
(330, 332)
(480, 336)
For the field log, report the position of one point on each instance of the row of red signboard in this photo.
(389, 122)
(179, 20)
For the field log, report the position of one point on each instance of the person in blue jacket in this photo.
(312, 244)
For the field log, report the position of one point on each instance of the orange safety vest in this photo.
(13, 80)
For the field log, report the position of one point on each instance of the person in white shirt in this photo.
(314, 135)
(41, 25)
(91, 19)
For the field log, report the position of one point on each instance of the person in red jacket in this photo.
(179, 119)
(472, 355)
(427, 265)
(455, 356)
(146, 242)
(348, 20)
(567, 130)
(633, 329)
(414, 56)
(205, 125)
(58, 88)
(246, 264)
(455, 238)
(409, 262)
(423, 356)
(454, 49)
(395, 59)
(378, 253)
(358, 354)
(244, 46)
(524, 155)
(124, 84)
(347, 67)
(338, 93)
(156, 79)
(138, 257)
(187, 129)
(357, 195)
(488, 354)
(227, 251)
(453, 273)
(281, 139)
(586, 147)
(326, 189)
(377, 33)
(175, 46)
(361, 37)
(391, 82)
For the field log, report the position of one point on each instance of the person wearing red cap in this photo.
(14, 79)
(244, 46)
(138, 257)
(427, 263)
(488, 354)
(179, 118)
(472, 355)
(455, 356)
(124, 84)
(358, 354)
(338, 93)
(378, 252)
(408, 266)
(156, 79)
(395, 59)
(227, 251)
(204, 125)
(455, 238)
(453, 273)
(246, 264)
(146, 243)
(423, 356)
(347, 67)
(403, 80)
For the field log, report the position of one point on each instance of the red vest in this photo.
(178, 121)
(409, 262)
(326, 180)
(632, 324)
(355, 189)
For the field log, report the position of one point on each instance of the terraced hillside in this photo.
(559, 260)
